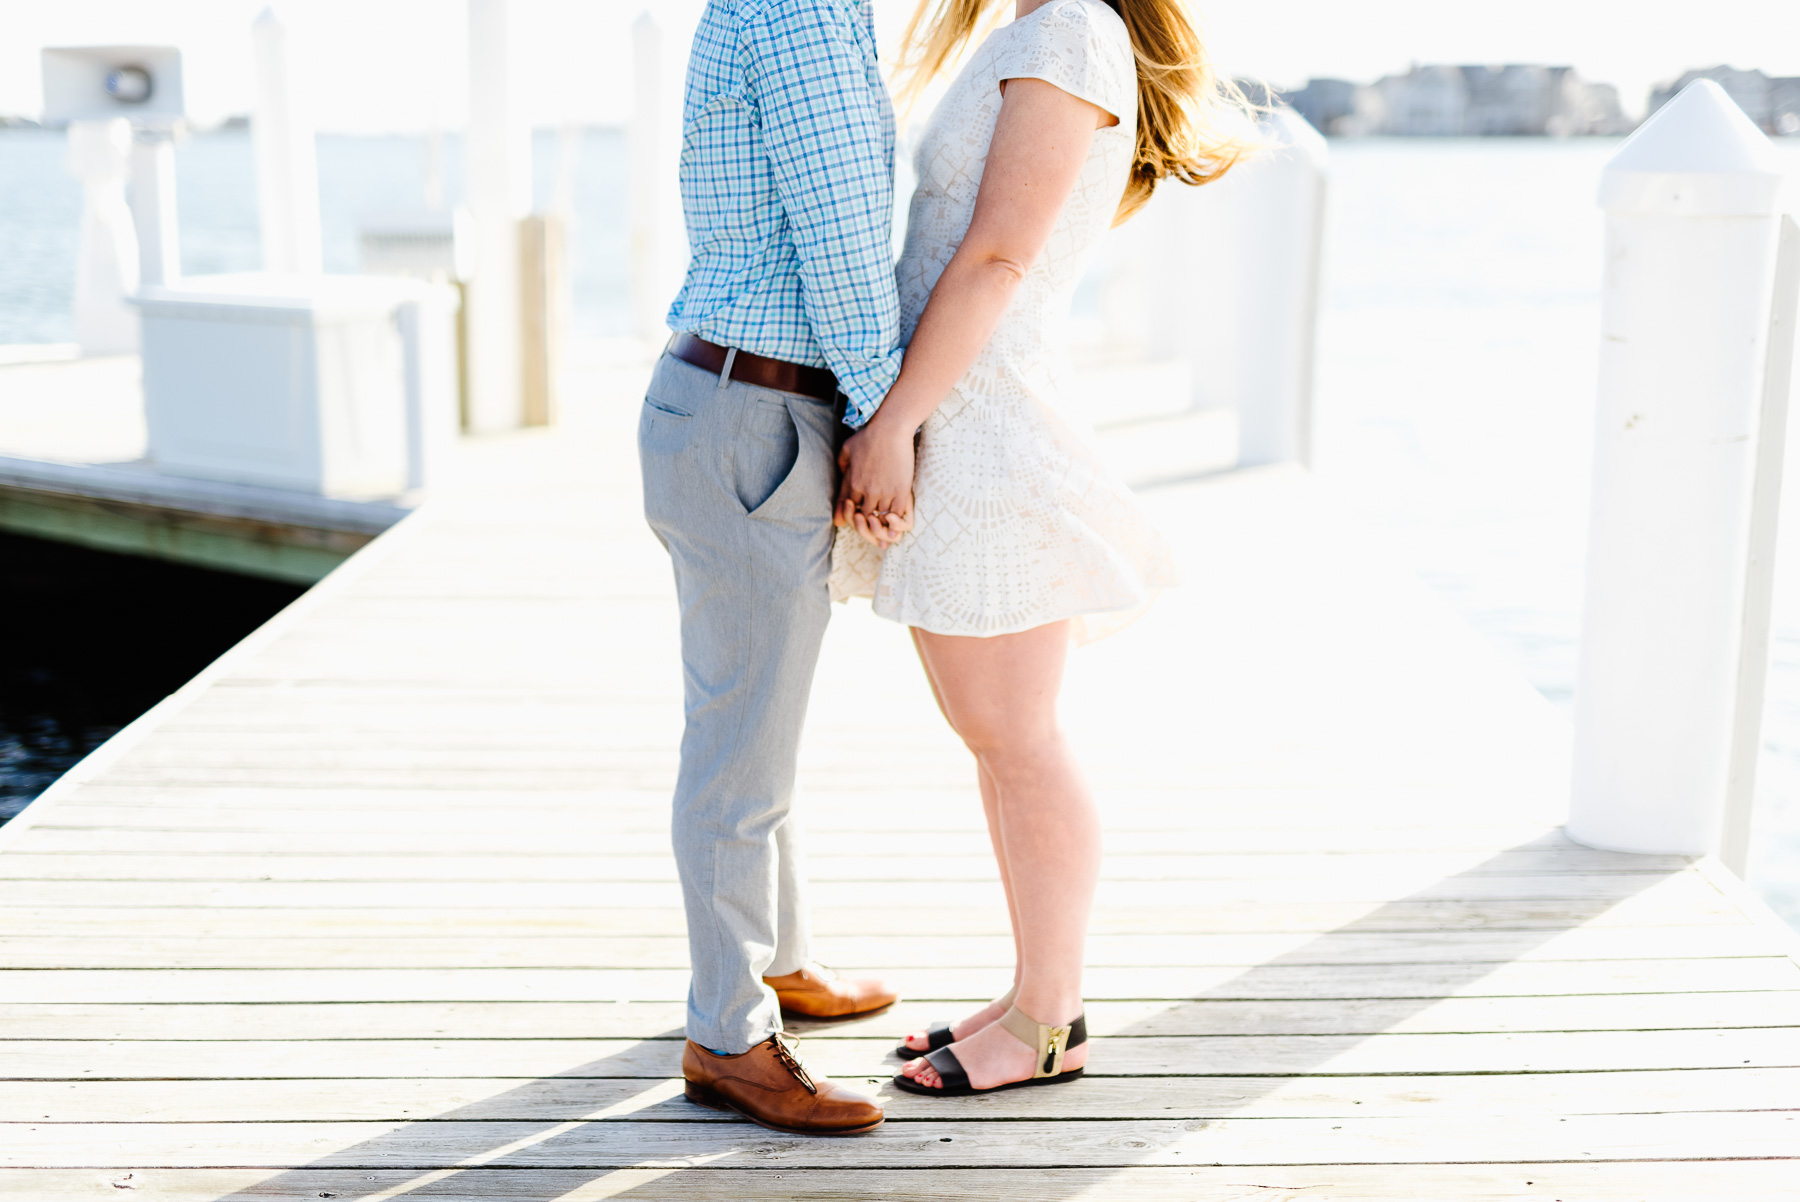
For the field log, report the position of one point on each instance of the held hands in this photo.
(875, 497)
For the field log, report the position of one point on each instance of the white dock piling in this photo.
(646, 220)
(1242, 304)
(1692, 204)
(498, 164)
(287, 165)
(153, 206)
(1759, 579)
(107, 268)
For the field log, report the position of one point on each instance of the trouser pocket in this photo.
(765, 452)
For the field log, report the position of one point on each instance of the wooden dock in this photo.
(381, 906)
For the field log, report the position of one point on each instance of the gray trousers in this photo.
(738, 485)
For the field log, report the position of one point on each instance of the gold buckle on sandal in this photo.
(1055, 1043)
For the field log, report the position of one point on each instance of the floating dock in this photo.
(73, 469)
(381, 906)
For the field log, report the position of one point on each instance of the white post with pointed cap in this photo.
(645, 216)
(1234, 270)
(657, 233)
(153, 207)
(1692, 210)
(287, 163)
(498, 167)
(107, 266)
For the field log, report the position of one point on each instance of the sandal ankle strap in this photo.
(1051, 1043)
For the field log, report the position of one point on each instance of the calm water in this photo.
(1458, 359)
(1456, 369)
(40, 209)
(90, 640)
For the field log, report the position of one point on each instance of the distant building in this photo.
(1323, 102)
(1518, 100)
(1426, 102)
(1587, 109)
(1784, 105)
(1773, 103)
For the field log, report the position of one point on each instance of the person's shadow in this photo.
(607, 1118)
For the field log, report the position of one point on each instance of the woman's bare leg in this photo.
(999, 694)
(962, 1028)
(990, 808)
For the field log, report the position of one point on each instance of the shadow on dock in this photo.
(641, 1131)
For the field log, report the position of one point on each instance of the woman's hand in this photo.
(875, 497)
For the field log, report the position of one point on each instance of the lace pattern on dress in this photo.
(1017, 523)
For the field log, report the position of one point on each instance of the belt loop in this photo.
(725, 372)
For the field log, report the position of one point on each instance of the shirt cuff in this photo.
(867, 386)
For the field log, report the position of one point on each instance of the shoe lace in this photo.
(791, 1062)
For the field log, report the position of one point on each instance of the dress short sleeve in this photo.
(1082, 47)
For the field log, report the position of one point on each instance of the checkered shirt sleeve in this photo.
(789, 192)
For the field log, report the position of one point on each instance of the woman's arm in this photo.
(1040, 143)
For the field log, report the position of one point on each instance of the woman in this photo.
(982, 518)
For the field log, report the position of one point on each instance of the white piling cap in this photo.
(1294, 136)
(1697, 156)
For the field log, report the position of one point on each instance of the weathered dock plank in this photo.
(1138, 1056)
(909, 1146)
(1663, 1181)
(912, 952)
(1119, 1019)
(527, 1099)
(382, 905)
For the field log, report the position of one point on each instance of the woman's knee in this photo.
(1003, 746)
(980, 733)
(998, 695)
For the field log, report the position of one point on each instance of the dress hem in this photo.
(1135, 610)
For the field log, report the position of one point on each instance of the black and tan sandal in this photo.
(938, 1035)
(1052, 1043)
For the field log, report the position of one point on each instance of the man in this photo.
(785, 330)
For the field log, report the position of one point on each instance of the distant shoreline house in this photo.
(1516, 100)
(1772, 102)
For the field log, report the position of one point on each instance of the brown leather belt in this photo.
(779, 374)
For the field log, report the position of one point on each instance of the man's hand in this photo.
(875, 497)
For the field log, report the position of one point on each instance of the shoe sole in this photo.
(702, 1096)
(902, 1081)
(803, 1016)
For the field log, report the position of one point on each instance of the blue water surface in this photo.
(40, 215)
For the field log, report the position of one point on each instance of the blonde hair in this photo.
(1184, 110)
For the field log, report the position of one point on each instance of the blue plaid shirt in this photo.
(787, 182)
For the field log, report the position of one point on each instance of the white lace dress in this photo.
(1016, 522)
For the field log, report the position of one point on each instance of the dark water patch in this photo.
(89, 640)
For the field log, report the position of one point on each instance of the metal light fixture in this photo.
(128, 85)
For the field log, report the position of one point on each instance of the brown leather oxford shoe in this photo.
(817, 992)
(769, 1085)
